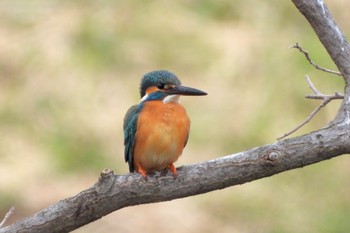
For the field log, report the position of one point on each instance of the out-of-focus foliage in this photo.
(70, 70)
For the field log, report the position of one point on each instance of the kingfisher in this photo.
(156, 129)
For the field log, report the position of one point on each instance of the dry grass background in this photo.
(69, 71)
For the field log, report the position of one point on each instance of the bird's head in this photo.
(164, 85)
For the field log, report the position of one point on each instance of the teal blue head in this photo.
(159, 84)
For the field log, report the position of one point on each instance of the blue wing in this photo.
(130, 127)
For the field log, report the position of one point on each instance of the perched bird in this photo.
(156, 130)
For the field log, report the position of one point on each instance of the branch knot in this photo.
(273, 155)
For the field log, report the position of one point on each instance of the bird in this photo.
(156, 129)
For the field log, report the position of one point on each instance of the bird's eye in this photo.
(161, 86)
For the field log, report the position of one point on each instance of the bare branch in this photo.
(336, 95)
(8, 214)
(113, 192)
(312, 87)
(318, 95)
(333, 39)
(297, 46)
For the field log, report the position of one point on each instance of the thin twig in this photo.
(318, 95)
(297, 46)
(336, 95)
(311, 85)
(8, 214)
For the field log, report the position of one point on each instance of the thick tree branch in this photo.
(114, 192)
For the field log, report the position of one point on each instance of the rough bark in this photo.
(114, 192)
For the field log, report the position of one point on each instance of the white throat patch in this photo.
(172, 98)
(168, 99)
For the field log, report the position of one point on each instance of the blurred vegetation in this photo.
(70, 70)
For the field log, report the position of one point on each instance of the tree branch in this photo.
(114, 192)
(333, 39)
(318, 95)
(7, 216)
(307, 56)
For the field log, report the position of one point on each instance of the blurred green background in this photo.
(70, 70)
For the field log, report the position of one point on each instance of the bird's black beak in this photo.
(183, 90)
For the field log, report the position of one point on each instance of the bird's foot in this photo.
(143, 172)
(173, 170)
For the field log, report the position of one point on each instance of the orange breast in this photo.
(162, 131)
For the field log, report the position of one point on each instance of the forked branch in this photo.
(317, 95)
